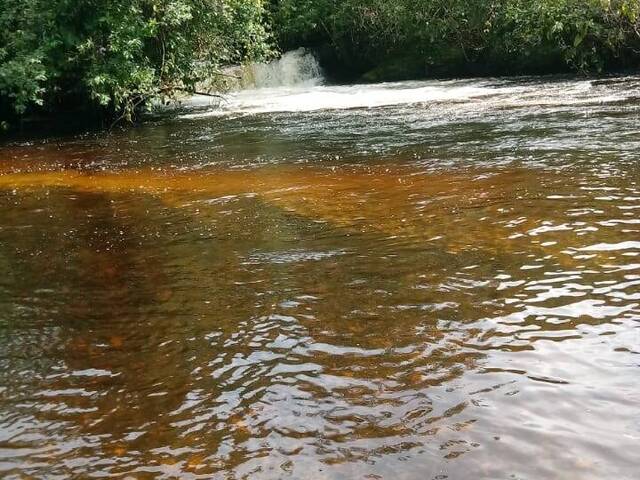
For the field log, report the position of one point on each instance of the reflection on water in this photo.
(378, 293)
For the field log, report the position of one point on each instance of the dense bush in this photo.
(112, 55)
(466, 36)
(584, 35)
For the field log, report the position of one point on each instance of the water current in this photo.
(416, 280)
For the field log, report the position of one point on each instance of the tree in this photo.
(116, 55)
(468, 36)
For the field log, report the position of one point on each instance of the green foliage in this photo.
(486, 36)
(576, 32)
(115, 55)
(22, 71)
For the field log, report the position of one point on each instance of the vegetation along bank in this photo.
(108, 59)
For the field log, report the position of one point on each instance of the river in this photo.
(415, 280)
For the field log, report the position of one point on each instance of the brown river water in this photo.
(418, 280)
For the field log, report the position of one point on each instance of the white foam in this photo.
(475, 94)
(296, 68)
(301, 99)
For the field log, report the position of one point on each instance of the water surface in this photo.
(420, 280)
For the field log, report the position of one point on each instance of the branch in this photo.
(206, 94)
(220, 74)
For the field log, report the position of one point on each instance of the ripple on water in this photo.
(445, 288)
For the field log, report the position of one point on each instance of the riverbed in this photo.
(414, 280)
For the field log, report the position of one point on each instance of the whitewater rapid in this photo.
(481, 93)
(295, 83)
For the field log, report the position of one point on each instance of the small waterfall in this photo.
(295, 68)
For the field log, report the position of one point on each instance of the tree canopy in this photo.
(113, 55)
(468, 36)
